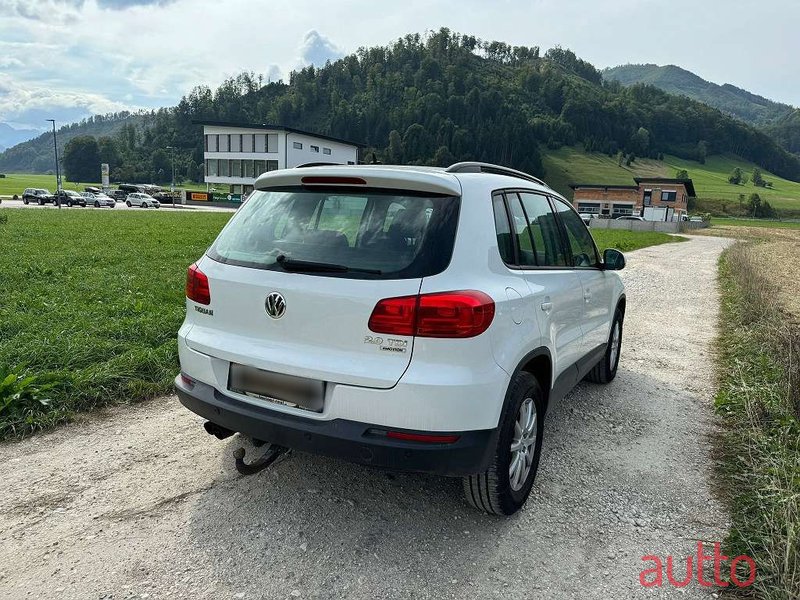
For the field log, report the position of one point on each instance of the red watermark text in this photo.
(680, 576)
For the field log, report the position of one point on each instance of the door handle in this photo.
(547, 306)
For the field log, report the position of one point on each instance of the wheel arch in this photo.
(539, 363)
(621, 304)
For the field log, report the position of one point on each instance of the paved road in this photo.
(8, 203)
(140, 502)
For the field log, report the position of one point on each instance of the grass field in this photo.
(15, 183)
(572, 165)
(631, 240)
(724, 222)
(91, 303)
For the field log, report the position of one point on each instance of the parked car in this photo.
(696, 219)
(587, 217)
(98, 199)
(302, 316)
(38, 195)
(141, 200)
(118, 195)
(630, 218)
(70, 198)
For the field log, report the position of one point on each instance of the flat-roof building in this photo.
(654, 198)
(235, 154)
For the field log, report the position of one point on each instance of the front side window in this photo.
(582, 249)
(374, 234)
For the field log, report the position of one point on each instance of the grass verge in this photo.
(759, 370)
(90, 304)
(626, 241)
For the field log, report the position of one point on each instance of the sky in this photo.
(67, 59)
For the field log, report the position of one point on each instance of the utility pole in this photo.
(172, 158)
(58, 170)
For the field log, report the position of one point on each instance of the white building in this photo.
(236, 154)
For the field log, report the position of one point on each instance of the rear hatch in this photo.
(297, 272)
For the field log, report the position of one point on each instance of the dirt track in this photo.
(141, 502)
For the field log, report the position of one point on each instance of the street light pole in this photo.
(172, 159)
(58, 170)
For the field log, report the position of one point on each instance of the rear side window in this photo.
(581, 244)
(528, 233)
(366, 234)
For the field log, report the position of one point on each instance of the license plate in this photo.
(297, 392)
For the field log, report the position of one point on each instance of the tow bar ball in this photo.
(269, 456)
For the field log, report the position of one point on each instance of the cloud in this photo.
(123, 4)
(316, 49)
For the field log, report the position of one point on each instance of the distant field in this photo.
(723, 222)
(572, 165)
(15, 183)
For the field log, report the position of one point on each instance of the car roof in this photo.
(409, 177)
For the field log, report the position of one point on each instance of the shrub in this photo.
(23, 400)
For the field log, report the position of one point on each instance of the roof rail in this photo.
(319, 164)
(481, 167)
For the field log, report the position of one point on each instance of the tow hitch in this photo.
(270, 455)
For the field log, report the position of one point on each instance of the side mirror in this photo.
(613, 260)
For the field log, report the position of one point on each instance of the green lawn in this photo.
(91, 302)
(631, 240)
(572, 165)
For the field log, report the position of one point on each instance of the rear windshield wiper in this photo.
(307, 266)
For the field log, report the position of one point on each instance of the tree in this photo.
(394, 152)
(736, 176)
(702, 151)
(681, 174)
(758, 179)
(81, 159)
(630, 159)
(162, 167)
(109, 153)
(640, 141)
(443, 157)
(620, 158)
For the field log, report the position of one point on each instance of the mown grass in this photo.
(759, 398)
(93, 300)
(626, 241)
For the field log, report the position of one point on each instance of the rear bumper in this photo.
(339, 438)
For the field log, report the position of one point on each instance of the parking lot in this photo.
(9, 203)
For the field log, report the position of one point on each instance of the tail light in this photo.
(425, 438)
(197, 286)
(461, 314)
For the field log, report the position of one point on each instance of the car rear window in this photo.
(370, 234)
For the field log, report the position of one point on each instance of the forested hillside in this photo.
(730, 99)
(36, 155)
(444, 97)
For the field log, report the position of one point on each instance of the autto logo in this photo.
(654, 576)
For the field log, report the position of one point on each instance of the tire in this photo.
(69, 203)
(96, 204)
(494, 491)
(605, 370)
(41, 202)
(128, 203)
(25, 201)
(144, 205)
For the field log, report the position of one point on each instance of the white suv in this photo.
(404, 317)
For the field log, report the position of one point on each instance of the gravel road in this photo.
(139, 502)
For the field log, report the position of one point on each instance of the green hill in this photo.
(728, 98)
(566, 166)
(439, 98)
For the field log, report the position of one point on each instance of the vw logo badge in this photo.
(275, 305)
